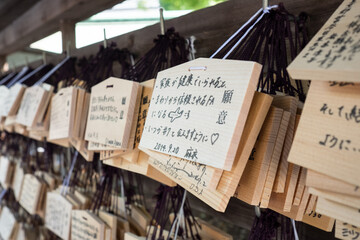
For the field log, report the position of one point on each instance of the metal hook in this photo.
(105, 40)
(132, 60)
(162, 22)
(44, 58)
(257, 211)
(68, 48)
(265, 4)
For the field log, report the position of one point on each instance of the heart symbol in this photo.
(214, 138)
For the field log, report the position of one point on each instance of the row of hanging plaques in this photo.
(203, 126)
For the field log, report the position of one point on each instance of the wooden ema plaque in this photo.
(7, 223)
(350, 201)
(274, 162)
(137, 126)
(293, 176)
(31, 193)
(4, 91)
(300, 186)
(338, 211)
(311, 204)
(329, 131)
(77, 140)
(258, 111)
(12, 101)
(18, 181)
(252, 181)
(112, 107)
(63, 108)
(86, 225)
(212, 186)
(6, 172)
(58, 215)
(326, 183)
(289, 104)
(319, 221)
(33, 105)
(346, 231)
(333, 53)
(198, 110)
(297, 212)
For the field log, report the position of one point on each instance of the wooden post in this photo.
(2, 62)
(67, 28)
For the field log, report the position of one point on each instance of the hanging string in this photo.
(67, 179)
(294, 228)
(250, 28)
(179, 218)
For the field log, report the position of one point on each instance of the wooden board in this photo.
(295, 171)
(4, 91)
(289, 104)
(319, 221)
(34, 100)
(337, 197)
(198, 175)
(13, 100)
(112, 106)
(253, 179)
(140, 166)
(346, 231)
(211, 232)
(324, 182)
(82, 147)
(338, 211)
(194, 177)
(31, 193)
(155, 174)
(281, 199)
(131, 142)
(18, 181)
(7, 223)
(147, 89)
(85, 225)
(212, 91)
(297, 212)
(275, 158)
(300, 187)
(329, 131)
(332, 54)
(6, 172)
(111, 221)
(311, 204)
(63, 113)
(58, 215)
(258, 111)
(79, 120)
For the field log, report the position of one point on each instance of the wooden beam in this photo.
(213, 25)
(43, 19)
(210, 32)
(11, 9)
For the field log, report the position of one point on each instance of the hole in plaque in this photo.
(84, 218)
(197, 68)
(109, 86)
(61, 94)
